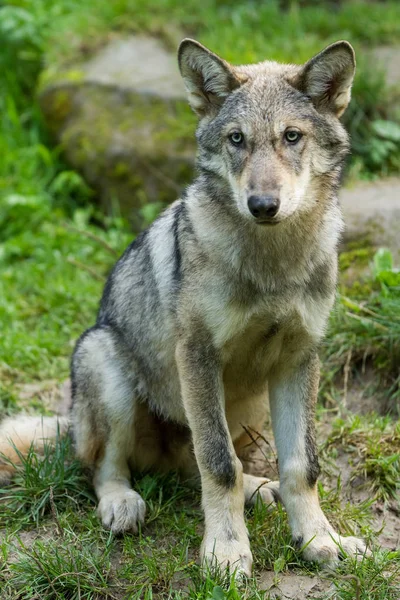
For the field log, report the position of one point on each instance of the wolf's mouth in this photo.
(267, 222)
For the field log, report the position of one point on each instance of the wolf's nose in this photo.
(263, 207)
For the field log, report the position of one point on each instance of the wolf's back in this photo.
(19, 434)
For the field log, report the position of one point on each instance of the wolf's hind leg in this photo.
(103, 423)
(120, 507)
(260, 487)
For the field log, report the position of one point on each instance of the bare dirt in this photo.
(288, 586)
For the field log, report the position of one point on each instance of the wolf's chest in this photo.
(262, 331)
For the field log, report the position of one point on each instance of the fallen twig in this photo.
(91, 236)
(86, 268)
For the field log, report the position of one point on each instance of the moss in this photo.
(359, 257)
(354, 265)
(121, 170)
(53, 77)
(133, 149)
(57, 106)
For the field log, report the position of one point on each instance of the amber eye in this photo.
(236, 138)
(292, 136)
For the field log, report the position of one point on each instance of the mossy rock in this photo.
(372, 212)
(130, 135)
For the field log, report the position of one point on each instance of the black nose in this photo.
(263, 207)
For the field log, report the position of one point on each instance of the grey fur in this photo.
(209, 306)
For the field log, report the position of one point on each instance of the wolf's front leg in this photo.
(225, 542)
(293, 394)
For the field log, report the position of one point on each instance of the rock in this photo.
(373, 210)
(387, 59)
(123, 121)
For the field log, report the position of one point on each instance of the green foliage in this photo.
(73, 567)
(377, 440)
(42, 481)
(374, 577)
(51, 276)
(21, 41)
(374, 136)
(366, 325)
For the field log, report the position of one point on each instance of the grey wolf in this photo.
(221, 303)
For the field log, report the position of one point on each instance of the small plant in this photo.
(73, 567)
(375, 136)
(43, 483)
(21, 39)
(375, 441)
(366, 327)
(375, 576)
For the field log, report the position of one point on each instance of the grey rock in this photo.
(123, 121)
(387, 59)
(138, 63)
(373, 210)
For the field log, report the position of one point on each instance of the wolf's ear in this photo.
(207, 77)
(328, 76)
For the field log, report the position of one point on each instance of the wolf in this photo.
(219, 307)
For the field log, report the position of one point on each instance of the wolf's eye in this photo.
(292, 136)
(236, 138)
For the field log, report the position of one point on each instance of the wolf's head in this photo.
(270, 131)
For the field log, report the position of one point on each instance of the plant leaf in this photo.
(388, 130)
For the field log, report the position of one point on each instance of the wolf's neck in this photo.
(266, 255)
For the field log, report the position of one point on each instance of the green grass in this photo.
(365, 325)
(260, 30)
(43, 482)
(376, 441)
(70, 556)
(50, 283)
(53, 258)
(374, 577)
(74, 566)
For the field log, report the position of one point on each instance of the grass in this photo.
(44, 482)
(75, 566)
(365, 326)
(376, 440)
(70, 556)
(374, 577)
(51, 279)
(55, 251)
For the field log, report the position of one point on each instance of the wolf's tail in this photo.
(19, 434)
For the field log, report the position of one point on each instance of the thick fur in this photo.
(19, 436)
(212, 307)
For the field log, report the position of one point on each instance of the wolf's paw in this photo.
(329, 548)
(260, 487)
(122, 511)
(220, 556)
